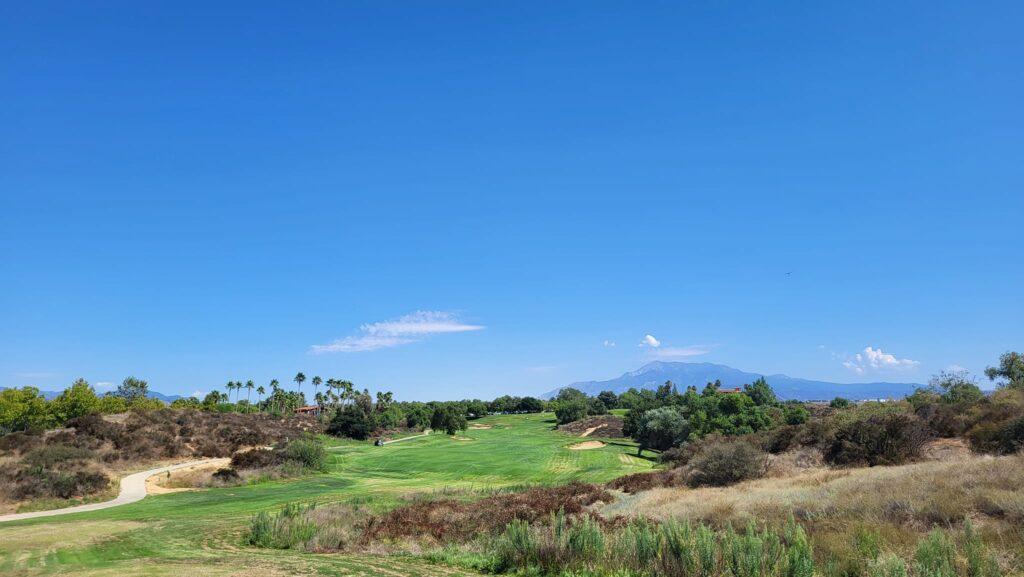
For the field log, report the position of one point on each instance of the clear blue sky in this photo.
(194, 195)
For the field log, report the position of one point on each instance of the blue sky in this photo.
(465, 199)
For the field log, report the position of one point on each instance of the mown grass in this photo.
(179, 532)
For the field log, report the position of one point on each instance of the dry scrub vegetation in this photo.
(82, 459)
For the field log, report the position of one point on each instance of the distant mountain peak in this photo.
(684, 374)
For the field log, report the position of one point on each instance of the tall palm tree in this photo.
(274, 387)
(299, 379)
(230, 386)
(260, 391)
(249, 386)
(316, 383)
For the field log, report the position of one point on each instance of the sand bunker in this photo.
(461, 439)
(157, 484)
(479, 427)
(586, 445)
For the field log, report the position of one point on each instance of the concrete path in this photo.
(424, 434)
(133, 488)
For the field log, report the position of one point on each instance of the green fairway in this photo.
(200, 533)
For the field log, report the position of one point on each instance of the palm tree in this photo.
(331, 383)
(260, 391)
(316, 383)
(299, 379)
(274, 387)
(229, 387)
(249, 385)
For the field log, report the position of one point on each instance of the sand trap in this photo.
(479, 427)
(586, 445)
(461, 439)
(590, 430)
(154, 484)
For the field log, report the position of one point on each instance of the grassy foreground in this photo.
(199, 533)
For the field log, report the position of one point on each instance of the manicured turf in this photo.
(200, 533)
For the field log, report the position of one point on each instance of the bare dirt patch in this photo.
(479, 427)
(945, 449)
(187, 479)
(586, 445)
(607, 426)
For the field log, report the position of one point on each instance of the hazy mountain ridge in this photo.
(683, 375)
(50, 395)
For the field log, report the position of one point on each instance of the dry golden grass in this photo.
(938, 492)
(901, 503)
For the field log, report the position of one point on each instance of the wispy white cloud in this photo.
(392, 333)
(104, 385)
(681, 352)
(955, 368)
(872, 359)
(650, 341)
(608, 343)
(199, 394)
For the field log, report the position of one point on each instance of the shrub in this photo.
(309, 452)
(840, 403)
(725, 463)
(256, 459)
(226, 476)
(569, 411)
(879, 439)
(49, 456)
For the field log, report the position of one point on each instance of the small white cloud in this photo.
(400, 331)
(877, 360)
(821, 347)
(199, 394)
(650, 341)
(104, 385)
(681, 352)
(608, 343)
(955, 368)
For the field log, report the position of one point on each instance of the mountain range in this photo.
(50, 395)
(651, 375)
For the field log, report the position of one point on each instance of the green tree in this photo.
(260, 391)
(249, 386)
(957, 387)
(662, 428)
(570, 394)
(132, 390)
(111, 404)
(761, 393)
(23, 409)
(77, 400)
(609, 399)
(1010, 371)
(530, 405)
(352, 422)
(317, 381)
(569, 411)
(299, 379)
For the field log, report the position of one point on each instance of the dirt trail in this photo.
(590, 430)
(133, 488)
